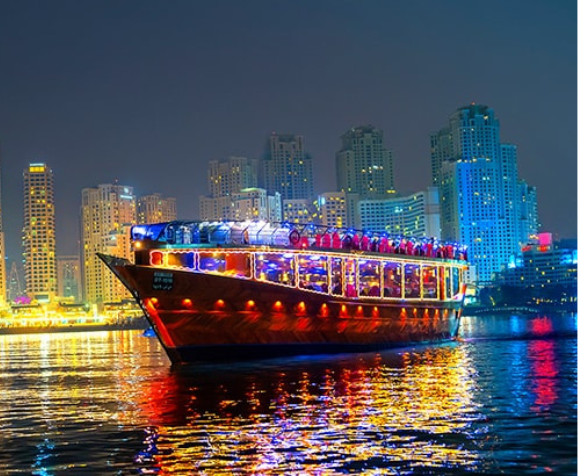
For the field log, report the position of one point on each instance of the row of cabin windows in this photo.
(338, 276)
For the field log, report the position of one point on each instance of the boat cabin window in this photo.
(430, 282)
(156, 258)
(447, 283)
(455, 281)
(369, 278)
(275, 268)
(350, 277)
(313, 272)
(228, 263)
(412, 281)
(391, 280)
(238, 264)
(187, 260)
(336, 276)
(173, 259)
(212, 262)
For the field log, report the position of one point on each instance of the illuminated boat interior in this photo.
(343, 263)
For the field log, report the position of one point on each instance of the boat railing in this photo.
(355, 275)
(291, 235)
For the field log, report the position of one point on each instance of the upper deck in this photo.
(295, 236)
(313, 259)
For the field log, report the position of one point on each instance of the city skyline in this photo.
(149, 96)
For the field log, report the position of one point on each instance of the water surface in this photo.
(501, 400)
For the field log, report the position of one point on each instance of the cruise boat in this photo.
(243, 290)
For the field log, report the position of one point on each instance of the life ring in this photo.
(294, 237)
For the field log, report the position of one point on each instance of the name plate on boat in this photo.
(162, 281)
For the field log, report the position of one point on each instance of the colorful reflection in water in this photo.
(109, 403)
(544, 372)
(373, 414)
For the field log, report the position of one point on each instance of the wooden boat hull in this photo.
(203, 316)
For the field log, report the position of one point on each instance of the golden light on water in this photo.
(358, 411)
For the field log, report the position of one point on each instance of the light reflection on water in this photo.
(109, 403)
(320, 415)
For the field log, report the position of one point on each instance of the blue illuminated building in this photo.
(483, 203)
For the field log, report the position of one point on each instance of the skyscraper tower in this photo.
(479, 189)
(364, 165)
(232, 175)
(287, 168)
(226, 179)
(3, 290)
(14, 286)
(107, 213)
(155, 208)
(364, 169)
(39, 233)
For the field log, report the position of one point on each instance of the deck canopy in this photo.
(292, 235)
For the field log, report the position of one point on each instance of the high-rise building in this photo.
(299, 211)
(107, 213)
(226, 178)
(364, 168)
(416, 215)
(364, 165)
(542, 264)
(15, 287)
(3, 290)
(232, 175)
(274, 208)
(479, 189)
(287, 168)
(216, 208)
(528, 209)
(333, 209)
(39, 233)
(69, 281)
(155, 208)
(255, 204)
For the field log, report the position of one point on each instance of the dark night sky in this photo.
(147, 92)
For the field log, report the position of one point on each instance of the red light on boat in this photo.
(151, 303)
(187, 302)
(324, 311)
(250, 305)
(343, 311)
(403, 313)
(415, 311)
(156, 258)
(220, 304)
(375, 312)
(278, 306)
(359, 311)
(301, 308)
